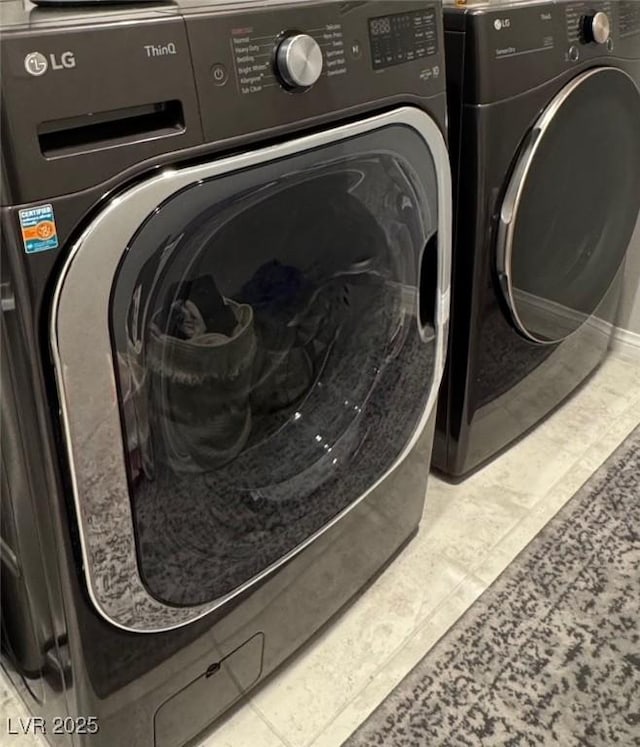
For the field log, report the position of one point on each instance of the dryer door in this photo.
(571, 205)
(244, 350)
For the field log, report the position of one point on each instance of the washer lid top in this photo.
(571, 205)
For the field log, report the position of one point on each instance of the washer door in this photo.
(571, 205)
(244, 350)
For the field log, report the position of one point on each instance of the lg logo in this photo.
(502, 23)
(37, 64)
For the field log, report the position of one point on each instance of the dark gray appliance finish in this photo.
(206, 75)
(224, 314)
(545, 159)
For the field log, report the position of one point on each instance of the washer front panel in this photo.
(98, 284)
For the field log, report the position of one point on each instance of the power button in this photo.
(219, 74)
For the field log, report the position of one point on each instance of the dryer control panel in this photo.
(602, 27)
(519, 47)
(603, 21)
(589, 23)
(629, 19)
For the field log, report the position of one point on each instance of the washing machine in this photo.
(225, 298)
(544, 120)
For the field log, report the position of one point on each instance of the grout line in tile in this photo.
(269, 725)
(418, 631)
(420, 625)
(537, 505)
(608, 451)
(527, 517)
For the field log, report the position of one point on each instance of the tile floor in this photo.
(468, 535)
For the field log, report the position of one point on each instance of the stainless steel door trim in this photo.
(84, 369)
(515, 189)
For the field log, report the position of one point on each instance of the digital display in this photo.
(403, 37)
(379, 26)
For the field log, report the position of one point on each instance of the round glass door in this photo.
(272, 360)
(571, 206)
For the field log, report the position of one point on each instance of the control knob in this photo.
(299, 61)
(597, 28)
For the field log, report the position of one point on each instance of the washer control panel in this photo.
(403, 37)
(298, 61)
(293, 59)
(259, 69)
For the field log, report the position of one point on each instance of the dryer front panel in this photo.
(571, 205)
(245, 349)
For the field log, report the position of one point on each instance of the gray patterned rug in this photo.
(550, 654)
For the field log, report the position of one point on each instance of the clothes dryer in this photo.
(544, 122)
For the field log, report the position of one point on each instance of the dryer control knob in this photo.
(299, 61)
(597, 28)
